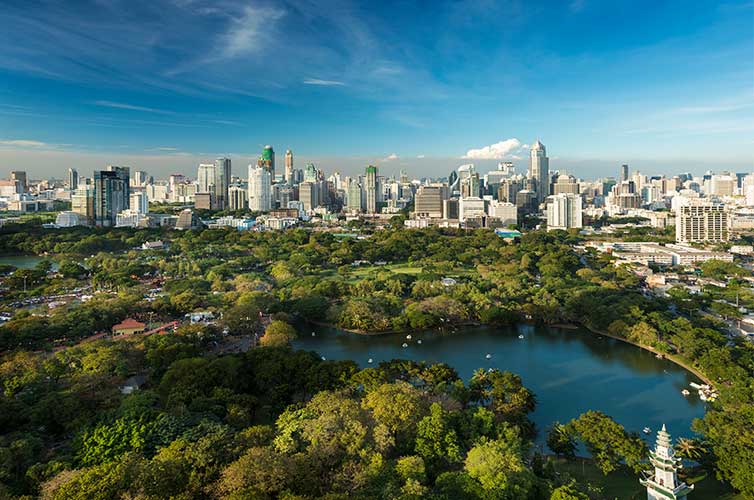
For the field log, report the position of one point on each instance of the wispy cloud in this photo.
(390, 157)
(247, 34)
(498, 151)
(324, 83)
(25, 143)
(132, 107)
(421, 157)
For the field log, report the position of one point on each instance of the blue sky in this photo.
(160, 85)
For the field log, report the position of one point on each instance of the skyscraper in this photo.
(19, 176)
(370, 187)
(111, 194)
(624, 172)
(353, 194)
(222, 182)
(205, 177)
(139, 202)
(139, 178)
(260, 189)
(539, 170)
(267, 161)
(289, 166)
(73, 179)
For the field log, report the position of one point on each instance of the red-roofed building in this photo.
(129, 326)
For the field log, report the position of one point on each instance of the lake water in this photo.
(25, 261)
(570, 371)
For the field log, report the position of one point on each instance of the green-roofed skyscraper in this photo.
(267, 161)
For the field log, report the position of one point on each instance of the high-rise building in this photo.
(205, 178)
(267, 161)
(238, 197)
(82, 202)
(565, 184)
(139, 178)
(624, 172)
(111, 194)
(699, 220)
(222, 182)
(289, 166)
(370, 188)
(428, 201)
(139, 202)
(539, 170)
(354, 195)
(308, 194)
(260, 189)
(73, 179)
(564, 211)
(20, 177)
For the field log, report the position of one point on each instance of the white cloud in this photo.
(248, 32)
(391, 157)
(497, 151)
(25, 143)
(420, 156)
(323, 83)
(131, 107)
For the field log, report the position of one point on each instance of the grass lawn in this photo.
(623, 484)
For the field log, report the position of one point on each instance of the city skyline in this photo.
(601, 85)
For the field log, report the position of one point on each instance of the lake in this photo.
(570, 371)
(26, 261)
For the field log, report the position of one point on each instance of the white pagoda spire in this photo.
(663, 484)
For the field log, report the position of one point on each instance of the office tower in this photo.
(82, 202)
(428, 201)
(506, 212)
(508, 189)
(564, 211)
(335, 180)
(370, 188)
(723, 185)
(565, 184)
(73, 179)
(469, 184)
(539, 170)
(354, 195)
(624, 172)
(308, 195)
(205, 177)
(289, 166)
(111, 194)
(310, 173)
(139, 202)
(470, 207)
(222, 182)
(698, 220)
(506, 167)
(20, 177)
(260, 189)
(139, 178)
(237, 197)
(404, 177)
(267, 161)
(187, 219)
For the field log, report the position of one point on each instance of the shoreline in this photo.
(564, 326)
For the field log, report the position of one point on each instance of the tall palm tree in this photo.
(691, 449)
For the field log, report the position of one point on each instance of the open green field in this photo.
(623, 484)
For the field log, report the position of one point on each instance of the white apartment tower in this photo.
(260, 189)
(698, 221)
(564, 211)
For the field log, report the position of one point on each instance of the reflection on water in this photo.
(571, 371)
(26, 261)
